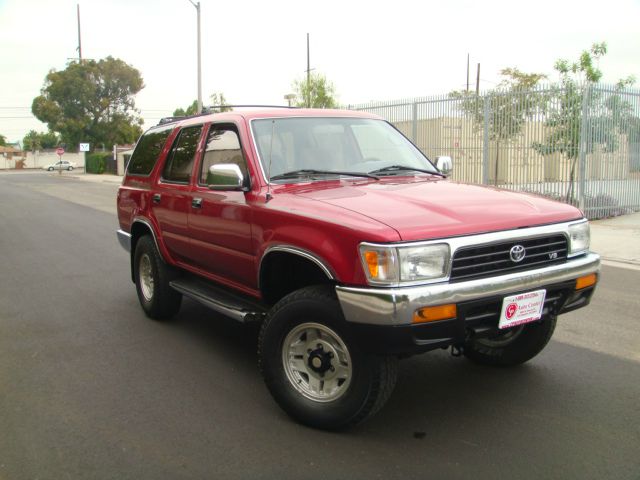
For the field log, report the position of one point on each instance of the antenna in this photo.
(273, 128)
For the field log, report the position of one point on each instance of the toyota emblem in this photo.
(517, 253)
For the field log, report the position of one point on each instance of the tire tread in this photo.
(383, 368)
(166, 301)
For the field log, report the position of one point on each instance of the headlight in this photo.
(387, 265)
(423, 263)
(579, 235)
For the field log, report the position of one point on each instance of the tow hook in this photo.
(456, 350)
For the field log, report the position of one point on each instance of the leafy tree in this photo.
(564, 112)
(507, 110)
(217, 100)
(185, 112)
(91, 101)
(318, 92)
(509, 106)
(566, 107)
(219, 103)
(33, 140)
(3, 140)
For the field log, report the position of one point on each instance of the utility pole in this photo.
(478, 81)
(197, 6)
(79, 37)
(467, 73)
(308, 75)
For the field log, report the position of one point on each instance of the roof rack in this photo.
(209, 108)
(164, 120)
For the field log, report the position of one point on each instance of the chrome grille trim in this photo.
(486, 260)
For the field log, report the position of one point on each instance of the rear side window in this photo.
(147, 151)
(179, 162)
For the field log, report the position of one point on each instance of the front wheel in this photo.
(313, 368)
(512, 346)
(50, 169)
(69, 169)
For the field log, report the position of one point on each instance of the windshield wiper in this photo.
(400, 168)
(310, 172)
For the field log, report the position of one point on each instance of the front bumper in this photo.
(382, 317)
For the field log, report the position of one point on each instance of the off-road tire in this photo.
(372, 377)
(152, 276)
(513, 346)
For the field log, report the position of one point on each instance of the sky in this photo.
(252, 50)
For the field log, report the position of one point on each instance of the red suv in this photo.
(348, 246)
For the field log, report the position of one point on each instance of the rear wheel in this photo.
(315, 371)
(512, 346)
(152, 275)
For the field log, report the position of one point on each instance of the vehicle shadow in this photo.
(563, 407)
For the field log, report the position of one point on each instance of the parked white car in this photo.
(60, 165)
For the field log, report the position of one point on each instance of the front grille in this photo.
(493, 259)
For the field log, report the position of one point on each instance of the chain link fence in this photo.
(576, 143)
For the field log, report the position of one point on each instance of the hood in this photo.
(420, 209)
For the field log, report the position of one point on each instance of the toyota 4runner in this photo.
(348, 246)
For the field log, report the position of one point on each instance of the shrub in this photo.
(96, 162)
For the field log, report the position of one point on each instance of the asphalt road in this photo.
(89, 388)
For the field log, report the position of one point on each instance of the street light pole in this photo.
(197, 5)
(289, 97)
(79, 37)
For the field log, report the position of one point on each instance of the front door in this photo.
(220, 221)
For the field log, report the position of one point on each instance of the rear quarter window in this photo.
(147, 151)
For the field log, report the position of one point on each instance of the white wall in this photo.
(121, 165)
(40, 159)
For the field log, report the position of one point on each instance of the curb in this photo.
(114, 180)
(620, 263)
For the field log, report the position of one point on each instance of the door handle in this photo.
(196, 203)
(156, 198)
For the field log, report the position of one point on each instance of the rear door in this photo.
(220, 221)
(171, 198)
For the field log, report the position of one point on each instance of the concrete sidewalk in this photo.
(92, 177)
(616, 239)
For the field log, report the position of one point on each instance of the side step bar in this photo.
(220, 300)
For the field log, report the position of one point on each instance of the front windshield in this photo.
(357, 145)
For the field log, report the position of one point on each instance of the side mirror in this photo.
(225, 176)
(444, 164)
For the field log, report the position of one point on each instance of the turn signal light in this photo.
(432, 314)
(586, 281)
(372, 262)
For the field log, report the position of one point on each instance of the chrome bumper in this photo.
(395, 306)
(125, 239)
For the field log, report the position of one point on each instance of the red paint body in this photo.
(226, 239)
